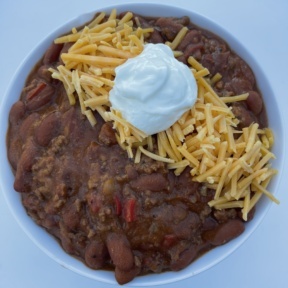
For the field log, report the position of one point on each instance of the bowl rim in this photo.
(30, 228)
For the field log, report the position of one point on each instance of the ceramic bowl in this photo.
(48, 243)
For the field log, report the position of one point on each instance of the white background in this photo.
(262, 27)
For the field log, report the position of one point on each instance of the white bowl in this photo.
(48, 243)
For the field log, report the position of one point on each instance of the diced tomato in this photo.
(169, 240)
(118, 206)
(33, 92)
(129, 210)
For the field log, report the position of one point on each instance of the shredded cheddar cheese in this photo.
(202, 140)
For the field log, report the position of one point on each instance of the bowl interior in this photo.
(46, 242)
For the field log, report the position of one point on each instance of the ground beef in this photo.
(82, 188)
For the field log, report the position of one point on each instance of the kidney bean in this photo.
(209, 224)
(50, 222)
(31, 85)
(17, 112)
(184, 258)
(107, 135)
(224, 232)
(52, 53)
(39, 97)
(120, 251)
(246, 71)
(220, 61)
(70, 217)
(208, 62)
(96, 254)
(184, 228)
(67, 119)
(66, 241)
(44, 73)
(192, 37)
(197, 54)
(25, 164)
(47, 129)
(185, 20)
(156, 37)
(14, 153)
(27, 126)
(28, 155)
(21, 182)
(123, 276)
(169, 27)
(153, 182)
(263, 120)
(254, 102)
(193, 50)
(131, 172)
(71, 127)
(245, 116)
(143, 22)
(240, 85)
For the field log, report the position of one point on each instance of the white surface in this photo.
(262, 26)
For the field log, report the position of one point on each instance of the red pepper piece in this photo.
(118, 206)
(169, 240)
(129, 210)
(32, 93)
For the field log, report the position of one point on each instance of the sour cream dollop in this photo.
(153, 90)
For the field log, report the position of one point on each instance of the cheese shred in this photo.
(202, 140)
